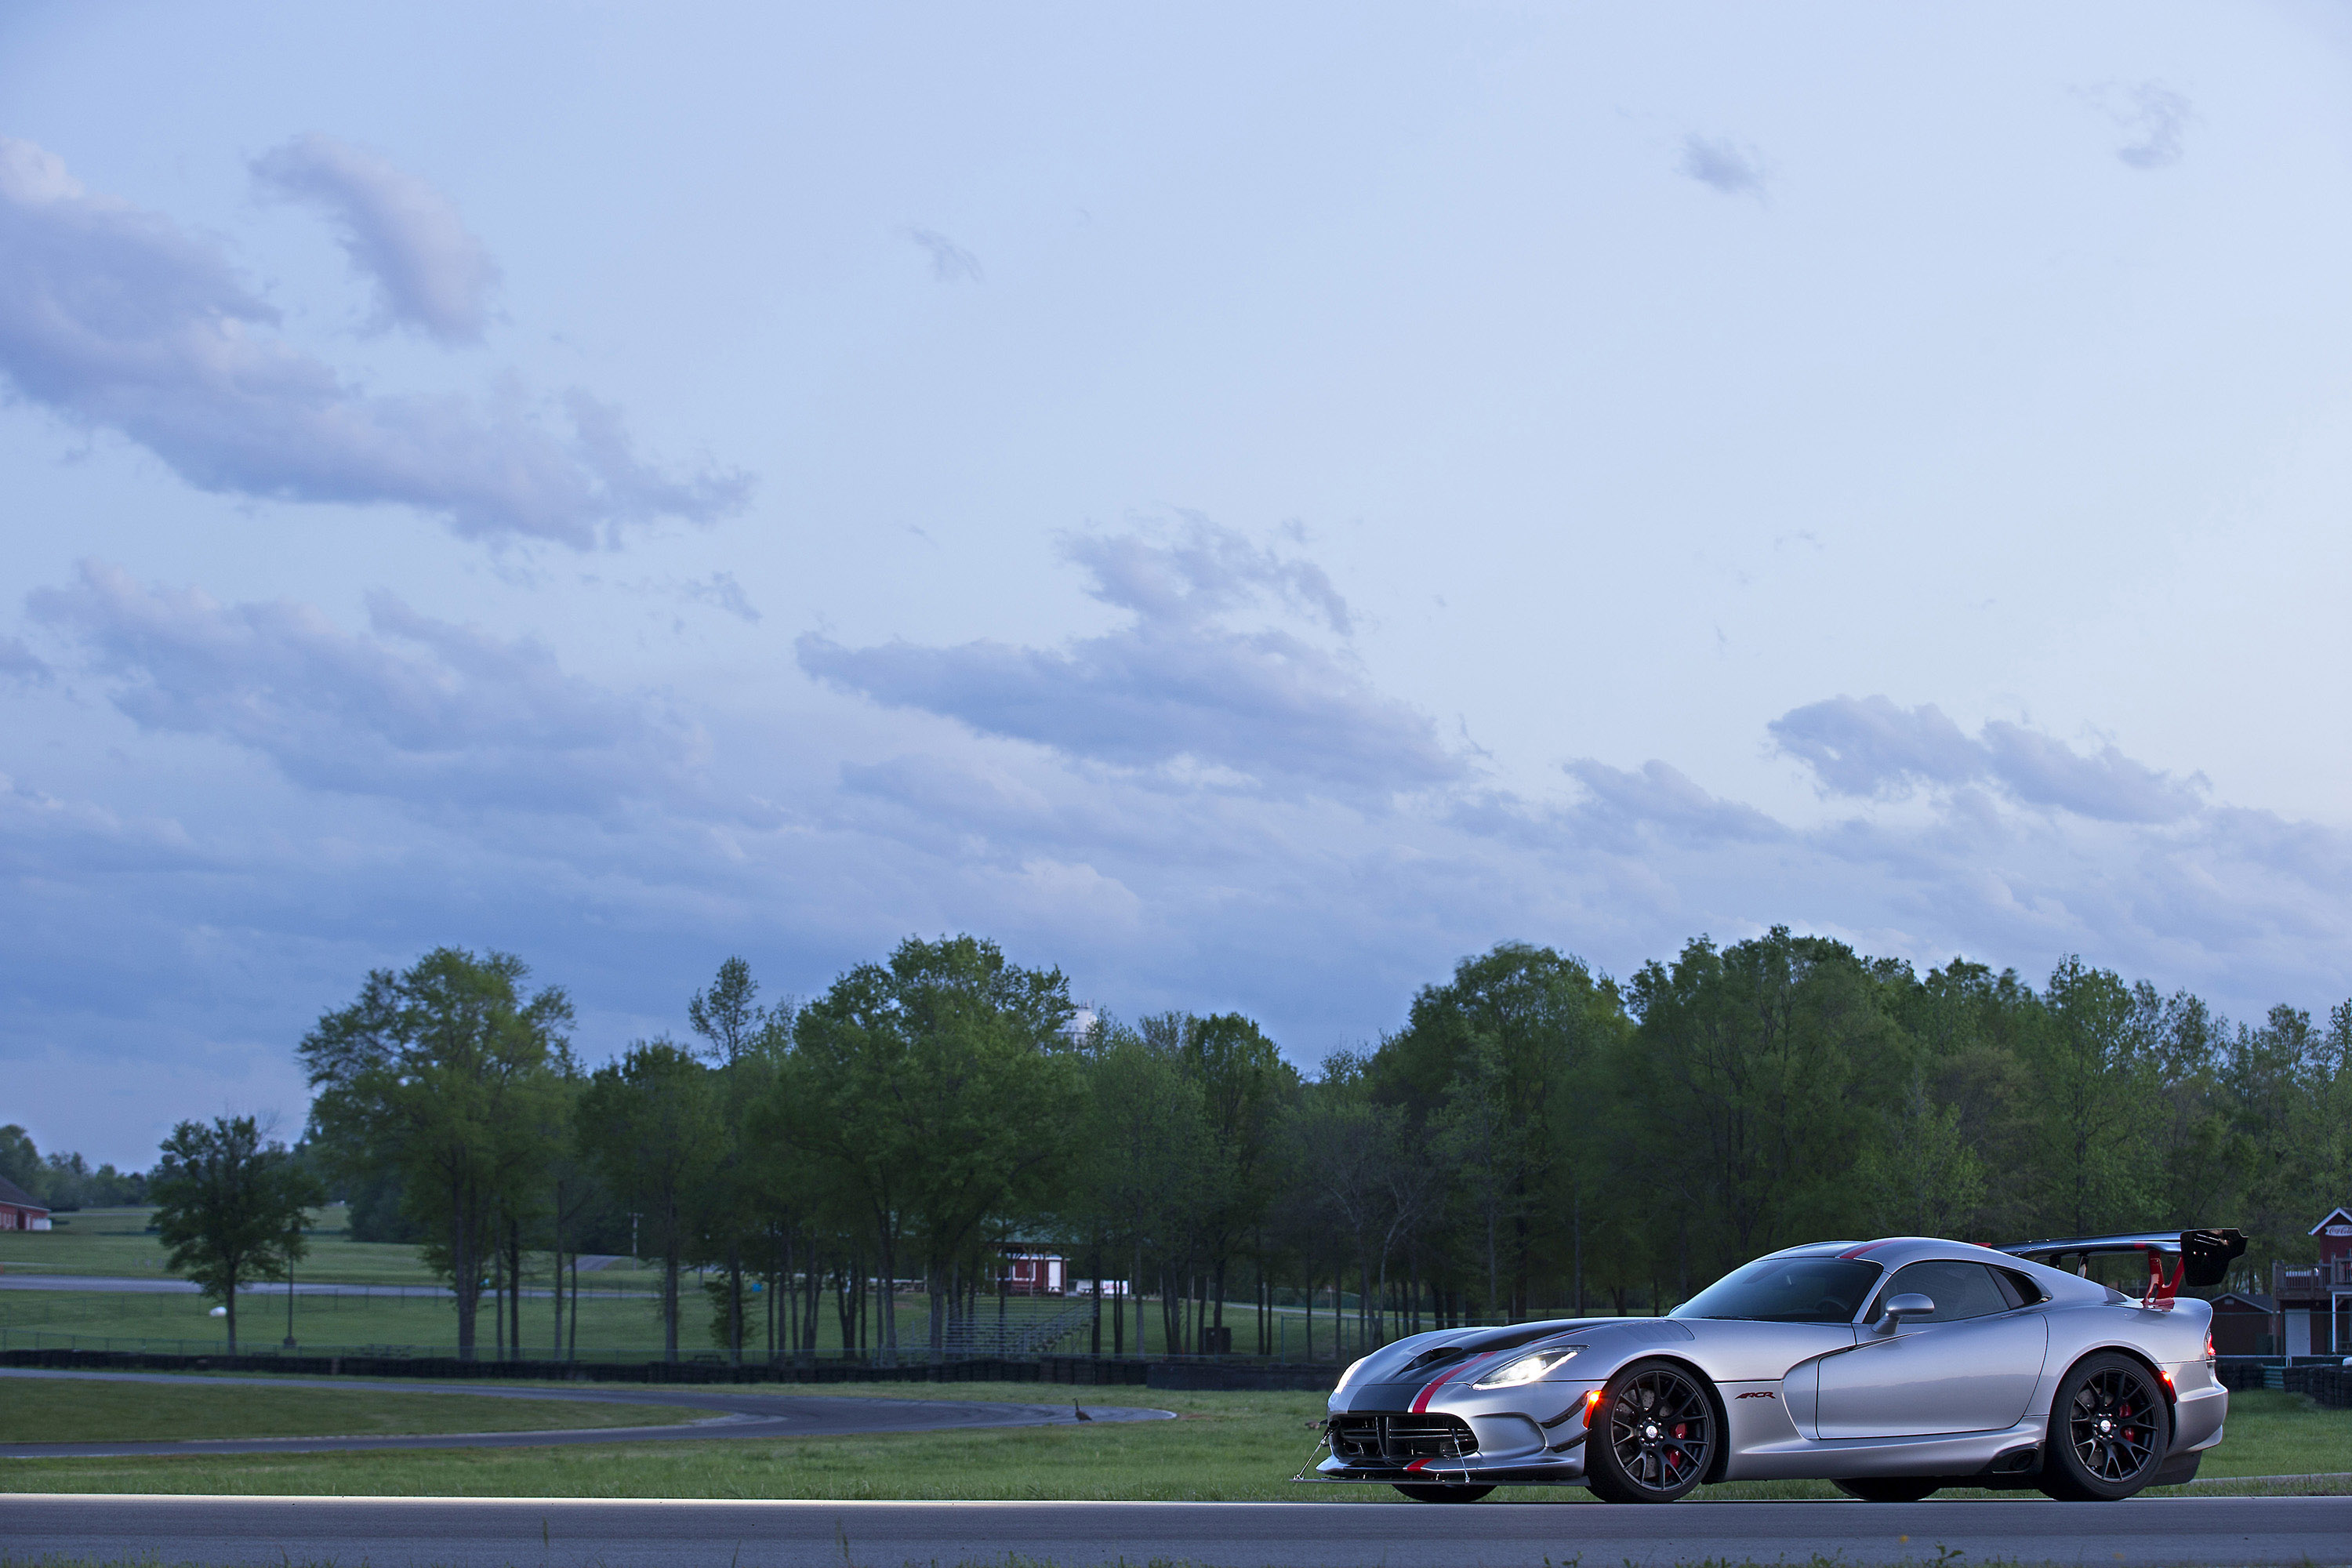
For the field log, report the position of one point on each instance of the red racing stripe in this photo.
(1421, 1402)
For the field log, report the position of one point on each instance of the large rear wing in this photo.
(2200, 1257)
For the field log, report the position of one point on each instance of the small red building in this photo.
(20, 1210)
(1030, 1270)
(2245, 1323)
(2316, 1304)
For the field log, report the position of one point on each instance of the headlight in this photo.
(1526, 1368)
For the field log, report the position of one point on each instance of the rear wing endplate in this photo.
(2200, 1257)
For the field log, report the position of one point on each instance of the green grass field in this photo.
(57, 1410)
(117, 1243)
(1224, 1446)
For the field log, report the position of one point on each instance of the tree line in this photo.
(65, 1182)
(1536, 1137)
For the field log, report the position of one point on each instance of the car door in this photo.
(1969, 1366)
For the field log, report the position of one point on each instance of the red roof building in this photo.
(20, 1210)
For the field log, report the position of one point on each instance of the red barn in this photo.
(20, 1210)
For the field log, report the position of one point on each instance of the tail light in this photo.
(2209, 1347)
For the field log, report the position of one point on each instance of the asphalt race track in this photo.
(410, 1532)
(732, 1414)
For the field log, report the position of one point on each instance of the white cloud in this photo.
(950, 263)
(2154, 118)
(1183, 685)
(402, 235)
(1871, 748)
(1734, 168)
(437, 716)
(113, 317)
(21, 664)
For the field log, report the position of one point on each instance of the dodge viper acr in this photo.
(1892, 1368)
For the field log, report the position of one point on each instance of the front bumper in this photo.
(1473, 1447)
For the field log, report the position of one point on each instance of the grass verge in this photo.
(1224, 1447)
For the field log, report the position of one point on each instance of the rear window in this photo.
(1787, 1291)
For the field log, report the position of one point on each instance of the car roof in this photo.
(1892, 1252)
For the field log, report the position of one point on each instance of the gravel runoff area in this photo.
(412, 1532)
(732, 1414)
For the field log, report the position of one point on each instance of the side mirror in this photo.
(1895, 1308)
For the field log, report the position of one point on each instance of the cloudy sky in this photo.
(1247, 504)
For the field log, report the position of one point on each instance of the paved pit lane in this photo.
(410, 1532)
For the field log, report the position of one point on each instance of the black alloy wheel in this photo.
(2109, 1428)
(1652, 1436)
(1886, 1488)
(1442, 1493)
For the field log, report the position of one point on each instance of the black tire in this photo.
(1886, 1488)
(1443, 1494)
(1654, 1436)
(2109, 1428)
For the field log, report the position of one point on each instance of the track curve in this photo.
(731, 1415)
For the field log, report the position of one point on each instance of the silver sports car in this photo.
(1889, 1367)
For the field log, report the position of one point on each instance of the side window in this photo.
(2020, 1290)
(1959, 1290)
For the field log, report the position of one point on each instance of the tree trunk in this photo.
(514, 1282)
(888, 1308)
(555, 1282)
(936, 1290)
(669, 1294)
(1576, 1208)
(465, 1270)
(734, 1303)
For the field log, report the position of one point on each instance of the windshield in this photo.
(1787, 1291)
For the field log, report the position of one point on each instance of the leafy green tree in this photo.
(1483, 1148)
(444, 1074)
(1965, 1025)
(751, 1208)
(1496, 1054)
(651, 1124)
(1756, 1062)
(230, 1206)
(939, 1087)
(1137, 1187)
(20, 1161)
(2095, 1078)
(1243, 1086)
(1919, 1177)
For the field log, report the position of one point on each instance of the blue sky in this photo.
(1248, 504)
